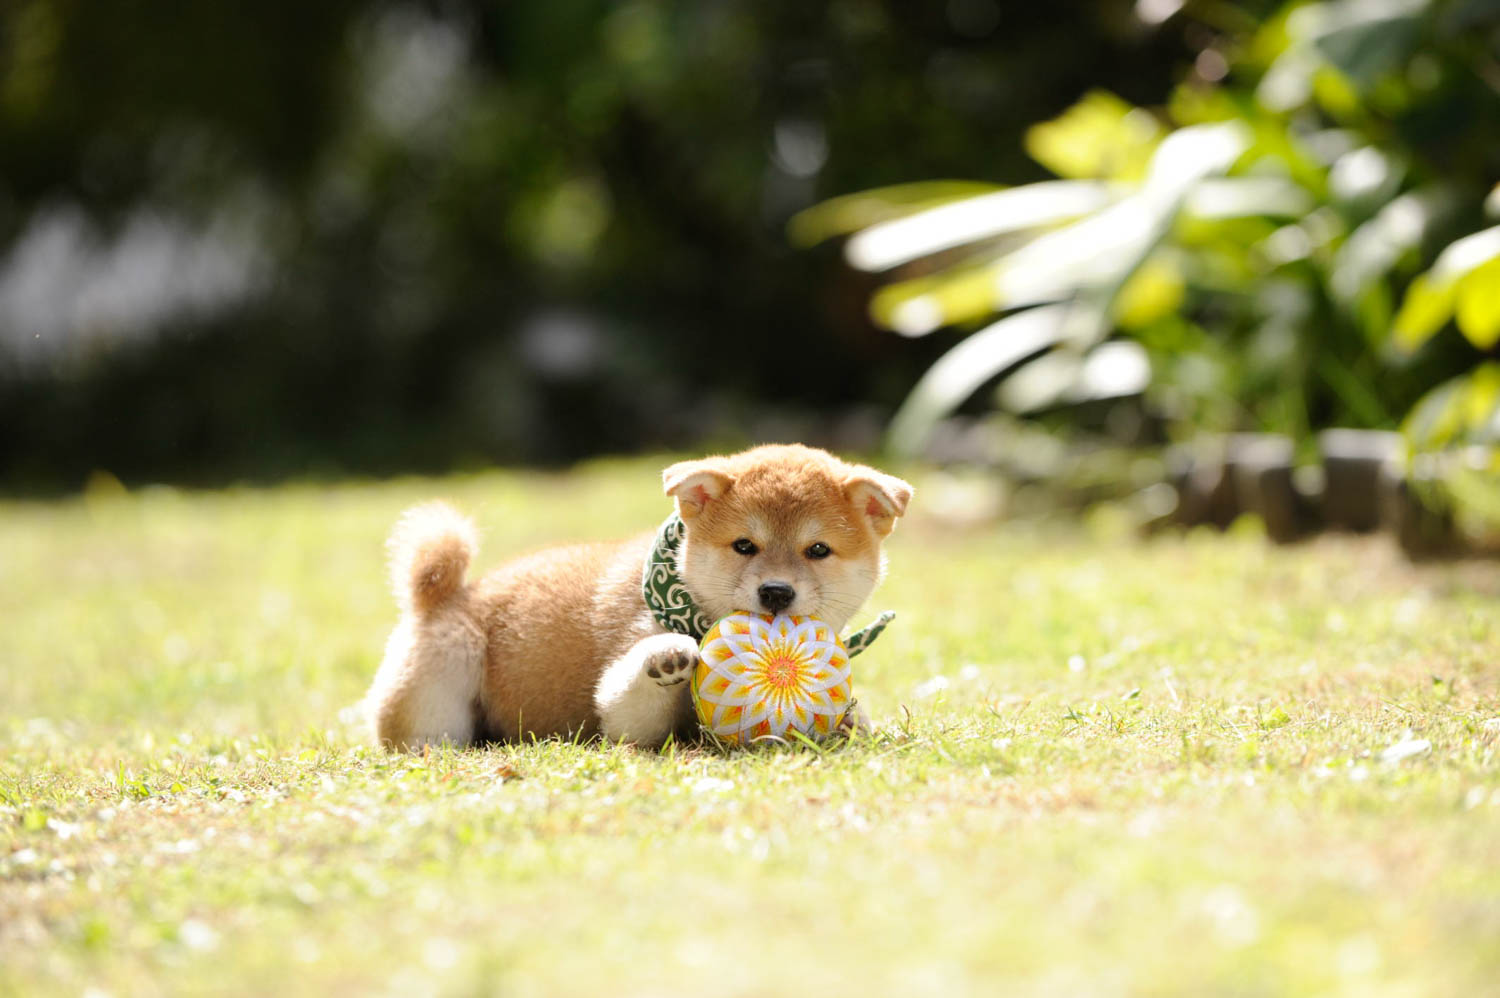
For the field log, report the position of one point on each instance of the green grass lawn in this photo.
(1195, 765)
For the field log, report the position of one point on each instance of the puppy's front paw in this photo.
(673, 664)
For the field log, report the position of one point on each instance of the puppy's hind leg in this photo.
(427, 689)
(643, 695)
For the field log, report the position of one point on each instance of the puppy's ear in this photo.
(695, 484)
(879, 496)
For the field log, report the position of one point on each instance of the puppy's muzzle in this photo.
(776, 596)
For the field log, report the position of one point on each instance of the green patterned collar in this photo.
(673, 607)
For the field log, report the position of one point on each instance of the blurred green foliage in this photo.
(1254, 249)
(249, 241)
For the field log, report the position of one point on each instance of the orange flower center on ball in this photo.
(783, 666)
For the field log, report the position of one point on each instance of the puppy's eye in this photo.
(745, 546)
(818, 550)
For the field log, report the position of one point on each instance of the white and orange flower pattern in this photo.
(760, 676)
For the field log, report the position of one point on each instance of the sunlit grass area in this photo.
(1191, 765)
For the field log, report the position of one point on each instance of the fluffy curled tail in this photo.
(430, 549)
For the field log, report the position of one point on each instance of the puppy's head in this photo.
(783, 529)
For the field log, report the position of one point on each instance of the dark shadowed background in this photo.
(288, 239)
(247, 241)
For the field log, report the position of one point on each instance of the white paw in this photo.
(672, 664)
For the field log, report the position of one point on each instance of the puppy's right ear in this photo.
(695, 484)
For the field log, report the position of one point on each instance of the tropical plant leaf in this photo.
(1481, 400)
(1193, 153)
(842, 215)
(1478, 308)
(1270, 39)
(1288, 83)
(1427, 307)
(1336, 94)
(889, 244)
(1101, 136)
(1041, 382)
(1155, 291)
(925, 304)
(1463, 255)
(1110, 370)
(961, 372)
(1373, 249)
(1099, 251)
(1438, 419)
(1094, 252)
(1238, 197)
(1454, 430)
(1433, 297)
(1104, 249)
(1113, 369)
(1373, 42)
(1474, 492)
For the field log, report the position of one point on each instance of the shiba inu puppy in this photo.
(562, 643)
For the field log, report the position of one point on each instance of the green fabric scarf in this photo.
(673, 607)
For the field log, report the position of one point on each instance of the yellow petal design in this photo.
(763, 676)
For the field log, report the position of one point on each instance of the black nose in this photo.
(776, 596)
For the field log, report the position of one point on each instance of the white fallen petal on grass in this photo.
(198, 935)
(930, 687)
(1406, 748)
(64, 829)
(1232, 916)
(441, 954)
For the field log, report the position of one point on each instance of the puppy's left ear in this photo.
(695, 484)
(879, 496)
